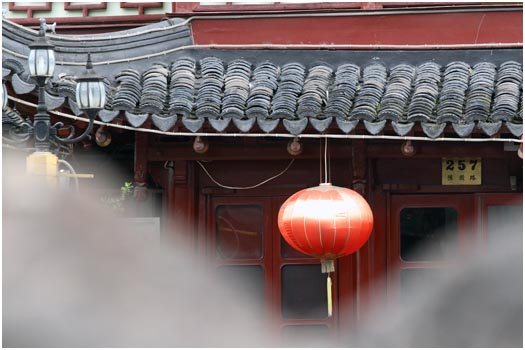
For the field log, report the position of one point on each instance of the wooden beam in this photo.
(339, 149)
(237, 151)
(435, 149)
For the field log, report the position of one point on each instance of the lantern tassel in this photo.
(327, 266)
(329, 295)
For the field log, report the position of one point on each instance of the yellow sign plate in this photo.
(461, 171)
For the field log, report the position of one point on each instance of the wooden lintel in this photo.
(404, 188)
(240, 152)
(338, 150)
(436, 149)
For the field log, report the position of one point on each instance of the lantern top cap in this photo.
(41, 41)
(89, 74)
(325, 184)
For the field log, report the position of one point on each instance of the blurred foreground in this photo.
(74, 276)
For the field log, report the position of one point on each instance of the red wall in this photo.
(392, 29)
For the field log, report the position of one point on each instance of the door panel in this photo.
(239, 231)
(239, 245)
(501, 218)
(245, 245)
(427, 234)
(454, 225)
(301, 296)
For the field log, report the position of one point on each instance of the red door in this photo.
(430, 233)
(244, 243)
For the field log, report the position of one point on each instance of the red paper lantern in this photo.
(326, 222)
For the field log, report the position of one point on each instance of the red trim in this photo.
(85, 7)
(141, 5)
(179, 8)
(98, 20)
(184, 7)
(488, 199)
(371, 5)
(30, 8)
(229, 7)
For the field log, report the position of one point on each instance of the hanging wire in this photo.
(325, 161)
(247, 187)
(320, 162)
(329, 167)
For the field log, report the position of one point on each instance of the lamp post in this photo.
(90, 96)
(41, 63)
(4, 96)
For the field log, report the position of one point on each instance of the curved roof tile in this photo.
(213, 91)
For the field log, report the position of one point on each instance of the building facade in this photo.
(221, 112)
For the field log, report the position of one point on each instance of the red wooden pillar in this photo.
(140, 166)
(353, 266)
(360, 185)
(182, 204)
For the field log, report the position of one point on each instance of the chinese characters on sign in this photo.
(461, 171)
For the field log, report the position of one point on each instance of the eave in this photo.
(149, 61)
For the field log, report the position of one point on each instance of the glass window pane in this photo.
(303, 292)
(239, 231)
(428, 233)
(504, 222)
(248, 279)
(306, 336)
(288, 252)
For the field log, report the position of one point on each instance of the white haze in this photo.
(74, 276)
(478, 303)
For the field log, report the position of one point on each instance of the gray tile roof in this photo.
(212, 92)
(154, 73)
(145, 40)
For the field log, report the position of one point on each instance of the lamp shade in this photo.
(41, 59)
(90, 91)
(91, 95)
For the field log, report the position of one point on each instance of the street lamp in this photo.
(90, 93)
(90, 96)
(41, 62)
(41, 58)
